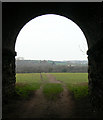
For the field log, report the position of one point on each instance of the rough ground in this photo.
(39, 107)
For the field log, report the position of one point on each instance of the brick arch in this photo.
(88, 16)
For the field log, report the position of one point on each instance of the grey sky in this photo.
(51, 37)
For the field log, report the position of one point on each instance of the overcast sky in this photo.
(51, 37)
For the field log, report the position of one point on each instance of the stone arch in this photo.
(88, 16)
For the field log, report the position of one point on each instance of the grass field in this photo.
(72, 78)
(77, 83)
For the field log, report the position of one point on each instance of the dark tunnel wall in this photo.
(88, 16)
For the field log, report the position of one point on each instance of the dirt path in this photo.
(65, 103)
(52, 79)
(39, 107)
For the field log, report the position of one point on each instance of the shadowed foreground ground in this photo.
(37, 106)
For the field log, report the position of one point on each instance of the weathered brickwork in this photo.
(95, 75)
(8, 70)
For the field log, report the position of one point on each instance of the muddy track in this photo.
(52, 79)
(65, 103)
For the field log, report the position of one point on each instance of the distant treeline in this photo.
(37, 66)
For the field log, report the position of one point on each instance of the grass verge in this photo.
(44, 78)
(26, 83)
(24, 90)
(52, 90)
(79, 91)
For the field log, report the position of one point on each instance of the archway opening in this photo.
(51, 50)
(51, 37)
(48, 34)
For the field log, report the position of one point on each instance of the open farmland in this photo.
(48, 93)
(77, 83)
(72, 78)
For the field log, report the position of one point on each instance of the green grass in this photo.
(52, 90)
(26, 83)
(77, 83)
(79, 91)
(45, 79)
(72, 78)
(28, 78)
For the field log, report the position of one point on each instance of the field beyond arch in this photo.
(42, 95)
